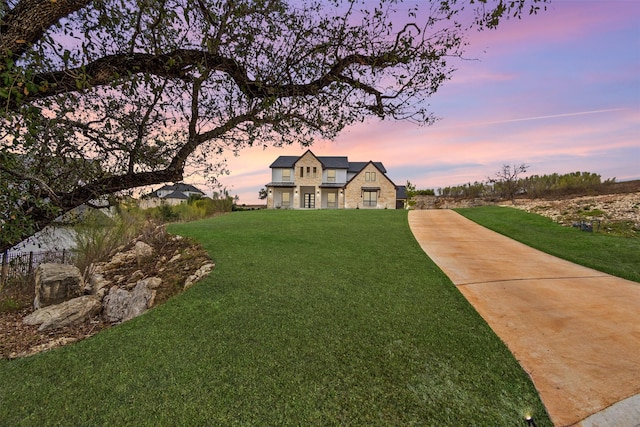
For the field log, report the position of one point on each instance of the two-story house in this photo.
(321, 182)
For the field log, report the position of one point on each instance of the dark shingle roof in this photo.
(176, 195)
(328, 162)
(355, 167)
(284, 162)
(334, 162)
(281, 184)
(180, 186)
(401, 192)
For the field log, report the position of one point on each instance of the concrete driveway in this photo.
(576, 331)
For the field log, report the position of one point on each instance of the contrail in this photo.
(580, 113)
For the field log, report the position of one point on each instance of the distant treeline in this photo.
(535, 186)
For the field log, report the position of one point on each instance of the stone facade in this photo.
(370, 189)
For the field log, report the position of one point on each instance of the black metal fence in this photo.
(23, 265)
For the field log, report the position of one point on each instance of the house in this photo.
(320, 182)
(171, 195)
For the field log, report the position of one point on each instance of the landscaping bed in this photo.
(16, 300)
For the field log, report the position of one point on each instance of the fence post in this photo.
(30, 265)
(4, 270)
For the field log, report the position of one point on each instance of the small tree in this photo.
(262, 194)
(411, 193)
(507, 180)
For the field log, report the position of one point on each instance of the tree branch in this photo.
(179, 63)
(26, 23)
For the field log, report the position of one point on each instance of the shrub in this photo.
(98, 235)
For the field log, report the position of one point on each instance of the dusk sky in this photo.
(558, 91)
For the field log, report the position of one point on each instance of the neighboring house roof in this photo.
(176, 195)
(182, 187)
(176, 191)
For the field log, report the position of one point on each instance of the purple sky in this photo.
(559, 91)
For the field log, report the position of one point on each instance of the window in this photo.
(315, 171)
(331, 200)
(370, 198)
(286, 200)
(331, 175)
(370, 176)
(286, 175)
(301, 171)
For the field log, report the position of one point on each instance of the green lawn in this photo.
(619, 256)
(309, 318)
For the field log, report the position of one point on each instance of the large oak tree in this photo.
(102, 96)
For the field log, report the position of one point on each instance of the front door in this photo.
(309, 200)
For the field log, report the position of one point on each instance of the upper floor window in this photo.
(370, 176)
(331, 175)
(286, 175)
(315, 171)
(301, 171)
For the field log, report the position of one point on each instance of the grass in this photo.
(309, 318)
(619, 256)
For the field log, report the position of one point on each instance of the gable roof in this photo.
(328, 162)
(376, 165)
(177, 195)
(355, 167)
(181, 187)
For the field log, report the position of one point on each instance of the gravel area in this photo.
(616, 212)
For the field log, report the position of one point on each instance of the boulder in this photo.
(139, 302)
(143, 251)
(56, 283)
(68, 313)
(115, 304)
(121, 305)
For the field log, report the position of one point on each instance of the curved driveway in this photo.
(576, 331)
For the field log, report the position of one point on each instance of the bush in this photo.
(98, 235)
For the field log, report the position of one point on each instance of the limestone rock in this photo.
(97, 282)
(72, 312)
(151, 282)
(143, 251)
(56, 283)
(139, 302)
(121, 305)
(118, 260)
(199, 274)
(136, 275)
